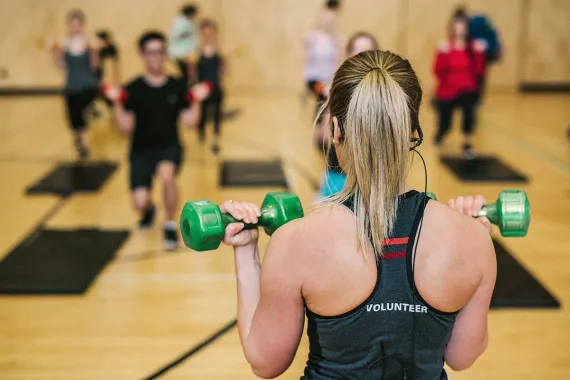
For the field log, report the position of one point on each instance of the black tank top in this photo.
(209, 69)
(374, 341)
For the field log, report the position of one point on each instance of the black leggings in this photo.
(213, 105)
(466, 102)
(76, 104)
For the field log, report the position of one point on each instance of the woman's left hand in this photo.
(248, 213)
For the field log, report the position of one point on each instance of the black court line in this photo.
(194, 350)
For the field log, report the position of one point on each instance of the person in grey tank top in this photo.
(383, 297)
(78, 57)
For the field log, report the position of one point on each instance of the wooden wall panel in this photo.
(268, 35)
(426, 25)
(23, 22)
(382, 18)
(547, 42)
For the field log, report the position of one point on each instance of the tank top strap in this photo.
(398, 248)
(410, 210)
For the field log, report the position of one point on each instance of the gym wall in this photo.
(264, 37)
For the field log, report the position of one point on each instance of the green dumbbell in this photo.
(203, 224)
(511, 212)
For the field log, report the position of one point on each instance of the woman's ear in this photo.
(336, 132)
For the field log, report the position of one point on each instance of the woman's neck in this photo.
(209, 48)
(459, 42)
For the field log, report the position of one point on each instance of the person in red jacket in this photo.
(459, 64)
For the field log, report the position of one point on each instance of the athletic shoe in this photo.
(147, 219)
(468, 152)
(170, 238)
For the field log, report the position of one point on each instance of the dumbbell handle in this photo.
(266, 215)
(490, 212)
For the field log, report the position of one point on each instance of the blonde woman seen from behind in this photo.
(374, 311)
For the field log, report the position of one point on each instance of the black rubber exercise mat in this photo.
(516, 287)
(58, 261)
(252, 174)
(482, 169)
(73, 177)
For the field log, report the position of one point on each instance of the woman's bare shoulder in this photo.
(316, 228)
(463, 233)
(455, 250)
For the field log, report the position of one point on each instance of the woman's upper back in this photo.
(360, 312)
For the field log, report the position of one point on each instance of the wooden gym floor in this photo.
(149, 307)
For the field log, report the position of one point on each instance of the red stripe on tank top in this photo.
(396, 241)
(393, 255)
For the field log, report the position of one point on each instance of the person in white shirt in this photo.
(184, 41)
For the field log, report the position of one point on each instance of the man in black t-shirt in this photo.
(148, 110)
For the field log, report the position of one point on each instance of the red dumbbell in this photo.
(200, 91)
(114, 93)
(319, 88)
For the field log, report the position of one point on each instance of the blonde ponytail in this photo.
(376, 97)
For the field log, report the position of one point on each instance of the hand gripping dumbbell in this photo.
(511, 212)
(203, 224)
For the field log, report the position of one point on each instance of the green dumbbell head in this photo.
(279, 208)
(511, 213)
(203, 225)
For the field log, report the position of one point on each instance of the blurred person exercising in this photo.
(78, 56)
(333, 178)
(210, 66)
(184, 41)
(384, 298)
(148, 110)
(459, 64)
(323, 55)
(482, 29)
(108, 55)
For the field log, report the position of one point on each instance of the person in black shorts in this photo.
(148, 109)
(210, 68)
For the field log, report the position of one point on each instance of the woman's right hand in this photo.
(244, 212)
(471, 206)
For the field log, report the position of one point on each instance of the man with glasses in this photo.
(148, 110)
